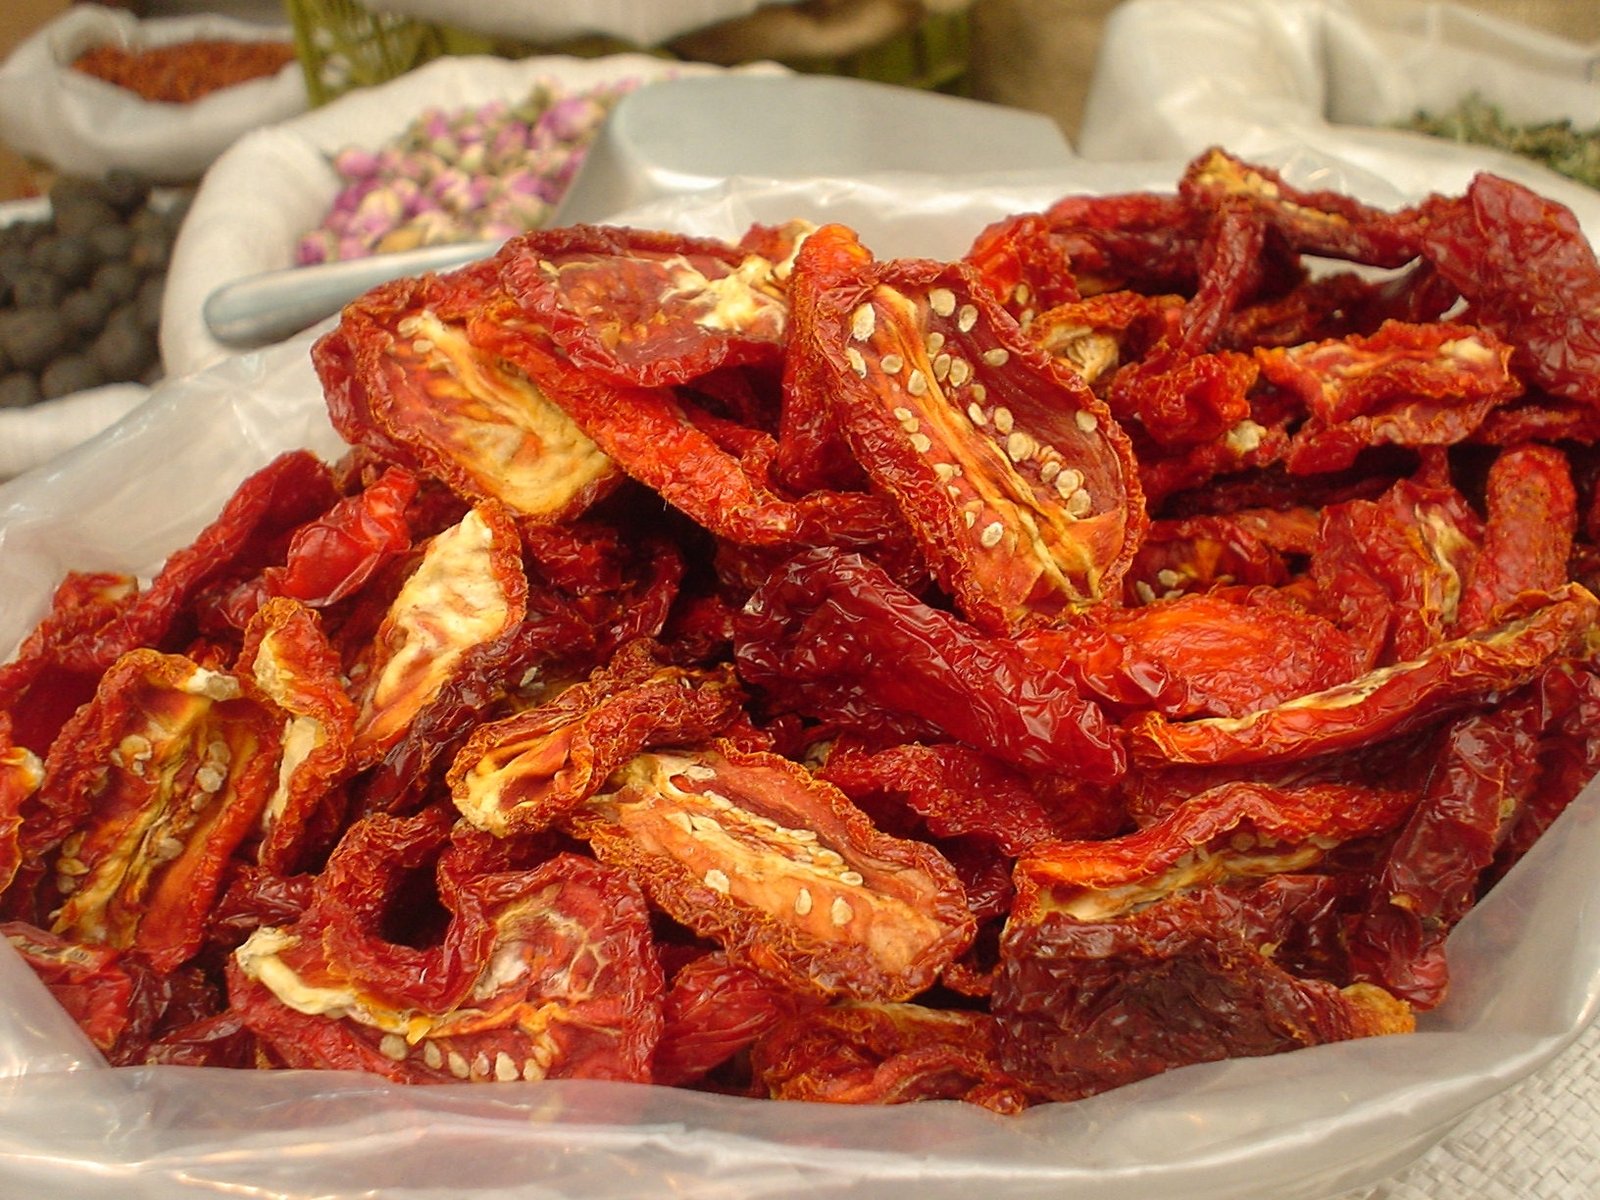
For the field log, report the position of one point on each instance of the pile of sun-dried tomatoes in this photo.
(774, 670)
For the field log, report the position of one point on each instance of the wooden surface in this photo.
(18, 19)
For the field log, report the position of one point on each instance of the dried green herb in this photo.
(1559, 145)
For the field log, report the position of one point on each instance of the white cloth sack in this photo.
(275, 185)
(1526, 962)
(1175, 76)
(81, 125)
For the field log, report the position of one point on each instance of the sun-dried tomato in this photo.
(1529, 532)
(1094, 336)
(1084, 1006)
(1128, 957)
(1388, 701)
(523, 773)
(781, 870)
(97, 618)
(1024, 265)
(1325, 223)
(1195, 554)
(456, 615)
(289, 661)
(857, 1053)
(1137, 241)
(1412, 385)
(658, 438)
(714, 1010)
(21, 773)
(1016, 482)
(1428, 878)
(1529, 276)
(1229, 652)
(148, 791)
(1391, 571)
(831, 632)
(645, 308)
(958, 792)
(403, 377)
(539, 973)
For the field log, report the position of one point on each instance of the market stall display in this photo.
(1240, 1129)
(75, 123)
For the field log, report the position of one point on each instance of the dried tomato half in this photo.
(861, 1053)
(646, 308)
(403, 377)
(149, 790)
(289, 660)
(833, 634)
(539, 973)
(781, 870)
(1387, 701)
(523, 773)
(456, 615)
(1016, 481)
(1529, 275)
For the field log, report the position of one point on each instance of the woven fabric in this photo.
(1539, 1140)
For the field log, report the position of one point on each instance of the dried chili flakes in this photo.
(767, 668)
(183, 72)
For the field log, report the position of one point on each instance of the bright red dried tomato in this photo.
(832, 633)
(149, 791)
(403, 377)
(457, 615)
(1391, 700)
(524, 773)
(290, 663)
(781, 870)
(1016, 482)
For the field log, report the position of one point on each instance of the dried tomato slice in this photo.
(832, 633)
(1529, 275)
(645, 308)
(715, 1009)
(1529, 534)
(21, 773)
(539, 973)
(1222, 653)
(290, 662)
(781, 870)
(456, 615)
(1326, 223)
(861, 1053)
(1016, 482)
(1392, 571)
(150, 789)
(403, 377)
(1385, 702)
(660, 438)
(525, 772)
(1084, 1006)
(1428, 878)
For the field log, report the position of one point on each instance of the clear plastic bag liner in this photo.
(1174, 76)
(1526, 962)
(85, 126)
